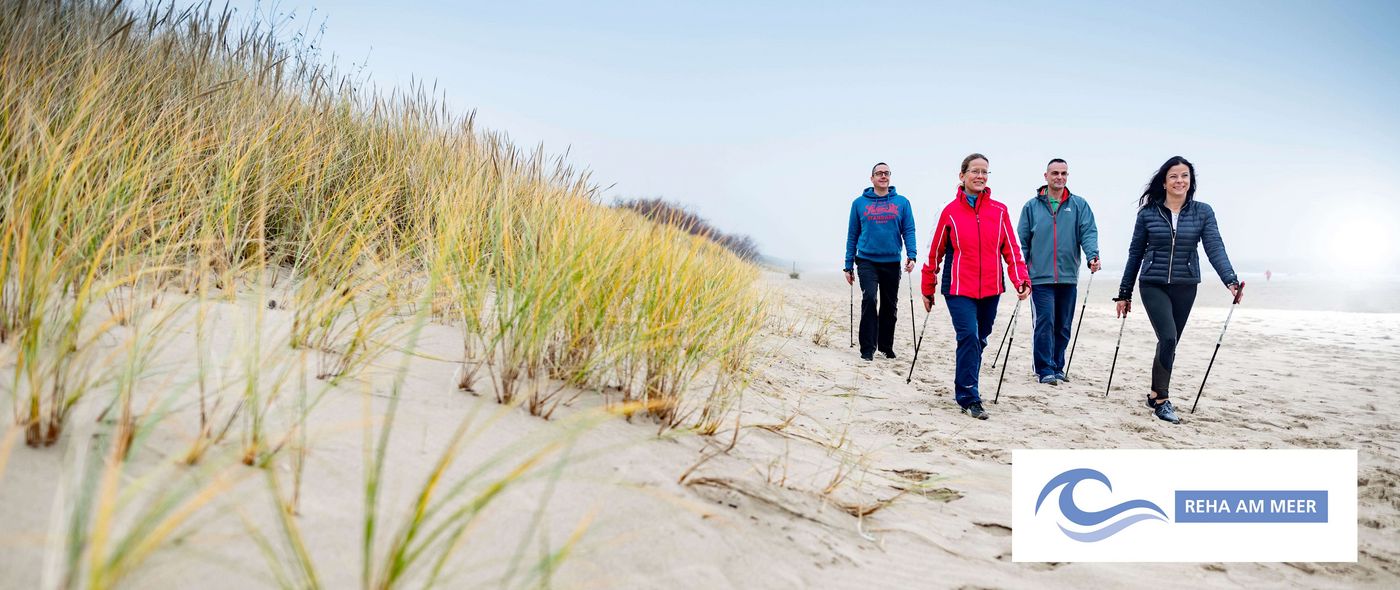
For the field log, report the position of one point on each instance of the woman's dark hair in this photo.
(1156, 191)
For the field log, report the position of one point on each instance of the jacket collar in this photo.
(1043, 193)
(1184, 206)
(962, 196)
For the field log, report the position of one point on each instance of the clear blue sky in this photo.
(765, 117)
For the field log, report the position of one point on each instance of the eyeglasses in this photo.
(882, 173)
(979, 172)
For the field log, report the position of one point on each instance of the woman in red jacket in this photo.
(972, 232)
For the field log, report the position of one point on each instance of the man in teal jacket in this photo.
(880, 228)
(1055, 225)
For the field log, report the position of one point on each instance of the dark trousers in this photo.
(1167, 307)
(1054, 312)
(972, 323)
(877, 324)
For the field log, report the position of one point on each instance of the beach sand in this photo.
(822, 438)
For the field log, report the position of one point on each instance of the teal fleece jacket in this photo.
(1051, 242)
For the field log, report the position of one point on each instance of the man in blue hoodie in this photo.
(880, 220)
(1055, 225)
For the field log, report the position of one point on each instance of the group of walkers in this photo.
(975, 250)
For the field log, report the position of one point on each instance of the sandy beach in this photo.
(841, 475)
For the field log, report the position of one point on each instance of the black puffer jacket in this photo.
(1170, 257)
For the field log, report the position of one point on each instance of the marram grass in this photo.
(171, 148)
(173, 154)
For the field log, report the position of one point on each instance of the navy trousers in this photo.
(972, 323)
(1054, 312)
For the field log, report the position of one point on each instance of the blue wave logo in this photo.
(1072, 478)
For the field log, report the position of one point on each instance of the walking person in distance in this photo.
(881, 226)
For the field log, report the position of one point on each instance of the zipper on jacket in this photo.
(1055, 239)
(1054, 235)
(1171, 254)
(978, 218)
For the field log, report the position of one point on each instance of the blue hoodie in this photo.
(877, 225)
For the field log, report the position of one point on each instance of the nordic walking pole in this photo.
(853, 314)
(1010, 328)
(1113, 366)
(1070, 360)
(917, 344)
(910, 280)
(1239, 292)
(1003, 335)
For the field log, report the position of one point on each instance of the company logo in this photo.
(881, 212)
(1097, 522)
(1186, 504)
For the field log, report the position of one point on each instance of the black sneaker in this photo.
(865, 356)
(975, 410)
(889, 354)
(1165, 411)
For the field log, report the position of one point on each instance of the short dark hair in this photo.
(877, 165)
(1054, 161)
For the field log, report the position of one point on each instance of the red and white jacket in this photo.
(972, 238)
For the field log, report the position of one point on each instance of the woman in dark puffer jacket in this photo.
(1170, 224)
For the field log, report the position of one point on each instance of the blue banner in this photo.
(1251, 506)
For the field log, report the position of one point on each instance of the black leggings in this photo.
(1167, 307)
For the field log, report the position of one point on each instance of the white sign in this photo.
(1183, 505)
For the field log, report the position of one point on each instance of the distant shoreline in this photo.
(1284, 292)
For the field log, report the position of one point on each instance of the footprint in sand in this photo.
(1314, 443)
(898, 428)
(1134, 426)
(1378, 485)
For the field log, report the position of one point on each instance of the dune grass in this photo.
(159, 165)
(173, 148)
